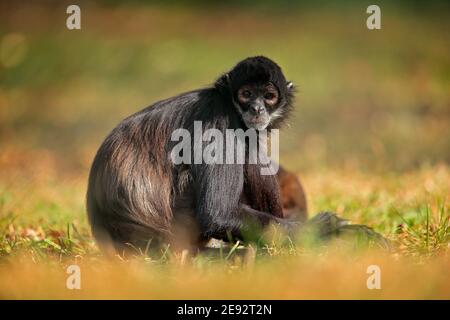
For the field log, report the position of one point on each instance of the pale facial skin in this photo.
(257, 104)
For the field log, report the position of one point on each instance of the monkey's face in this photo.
(258, 104)
(259, 92)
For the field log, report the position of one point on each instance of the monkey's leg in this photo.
(293, 196)
(262, 192)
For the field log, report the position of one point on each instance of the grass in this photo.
(44, 231)
(369, 139)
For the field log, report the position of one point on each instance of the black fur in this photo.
(135, 193)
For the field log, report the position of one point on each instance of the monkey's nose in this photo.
(258, 109)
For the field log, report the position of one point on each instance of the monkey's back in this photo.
(131, 179)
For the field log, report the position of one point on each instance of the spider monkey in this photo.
(137, 193)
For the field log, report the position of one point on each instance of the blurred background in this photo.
(368, 99)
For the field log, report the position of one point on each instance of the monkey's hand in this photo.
(327, 225)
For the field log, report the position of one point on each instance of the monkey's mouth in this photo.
(256, 122)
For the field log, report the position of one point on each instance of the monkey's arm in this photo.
(324, 226)
(219, 208)
(216, 203)
(265, 218)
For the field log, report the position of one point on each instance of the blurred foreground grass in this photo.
(370, 138)
(329, 276)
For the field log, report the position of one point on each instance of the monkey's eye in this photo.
(269, 96)
(244, 95)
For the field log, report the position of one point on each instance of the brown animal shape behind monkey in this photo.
(293, 197)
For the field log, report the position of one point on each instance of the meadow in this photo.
(369, 138)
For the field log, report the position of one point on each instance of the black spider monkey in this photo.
(136, 192)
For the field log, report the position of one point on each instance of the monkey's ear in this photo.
(223, 83)
(289, 85)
